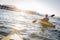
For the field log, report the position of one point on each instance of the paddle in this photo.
(50, 16)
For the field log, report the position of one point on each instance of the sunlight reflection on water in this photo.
(19, 21)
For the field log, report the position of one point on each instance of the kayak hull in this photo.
(47, 24)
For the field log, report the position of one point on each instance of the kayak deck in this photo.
(46, 24)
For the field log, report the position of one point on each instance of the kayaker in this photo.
(46, 18)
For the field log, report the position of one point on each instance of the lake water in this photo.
(10, 20)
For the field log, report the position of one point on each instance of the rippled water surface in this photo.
(22, 22)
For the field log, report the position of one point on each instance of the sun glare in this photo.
(34, 6)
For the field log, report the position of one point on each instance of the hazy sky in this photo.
(41, 6)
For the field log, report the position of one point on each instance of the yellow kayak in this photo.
(14, 35)
(46, 24)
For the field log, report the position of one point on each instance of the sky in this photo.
(41, 6)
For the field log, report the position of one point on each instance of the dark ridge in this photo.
(8, 7)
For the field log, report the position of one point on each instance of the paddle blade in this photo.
(53, 15)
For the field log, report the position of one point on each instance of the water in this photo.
(10, 20)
